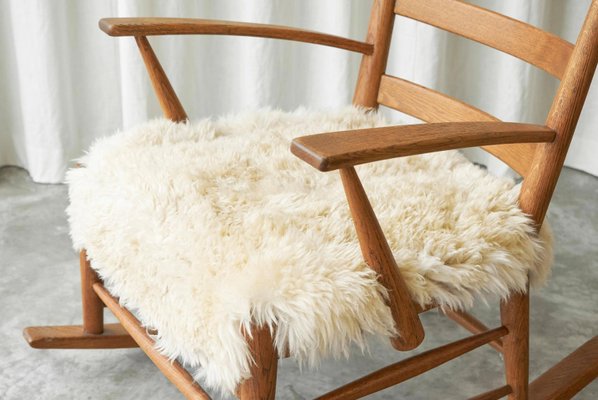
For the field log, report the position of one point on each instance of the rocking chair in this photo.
(535, 152)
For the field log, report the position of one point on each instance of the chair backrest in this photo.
(574, 65)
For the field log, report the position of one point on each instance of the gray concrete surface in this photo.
(39, 284)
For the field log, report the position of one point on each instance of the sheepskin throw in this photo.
(201, 228)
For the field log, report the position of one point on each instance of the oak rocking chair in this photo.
(536, 152)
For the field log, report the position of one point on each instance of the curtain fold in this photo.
(63, 82)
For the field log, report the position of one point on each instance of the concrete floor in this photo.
(39, 284)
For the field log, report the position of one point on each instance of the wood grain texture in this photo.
(542, 49)
(514, 315)
(378, 256)
(494, 394)
(92, 306)
(193, 26)
(569, 376)
(411, 367)
(334, 150)
(431, 106)
(426, 104)
(519, 156)
(541, 180)
(472, 324)
(172, 369)
(114, 336)
(262, 384)
(373, 65)
(169, 102)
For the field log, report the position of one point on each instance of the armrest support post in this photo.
(169, 102)
(378, 255)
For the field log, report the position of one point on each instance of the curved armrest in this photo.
(334, 150)
(188, 26)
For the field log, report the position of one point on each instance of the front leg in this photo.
(262, 384)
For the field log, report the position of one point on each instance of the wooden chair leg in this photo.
(92, 334)
(262, 384)
(514, 314)
(93, 307)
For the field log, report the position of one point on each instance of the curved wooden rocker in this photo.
(537, 153)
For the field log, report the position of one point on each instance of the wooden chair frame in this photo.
(536, 152)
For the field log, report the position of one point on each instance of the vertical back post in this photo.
(373, 66)
(541, 180)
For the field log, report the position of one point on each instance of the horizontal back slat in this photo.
(426, 104)
(542, 49)
(431, 106)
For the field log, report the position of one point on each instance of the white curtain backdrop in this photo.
(63, 82)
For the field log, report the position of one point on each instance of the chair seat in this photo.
(203, 227)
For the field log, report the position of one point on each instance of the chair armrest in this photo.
(188, 26)
(334, 150)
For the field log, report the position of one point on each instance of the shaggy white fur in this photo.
(202, 228)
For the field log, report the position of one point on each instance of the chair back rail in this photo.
(431, 106)
(537, 47)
